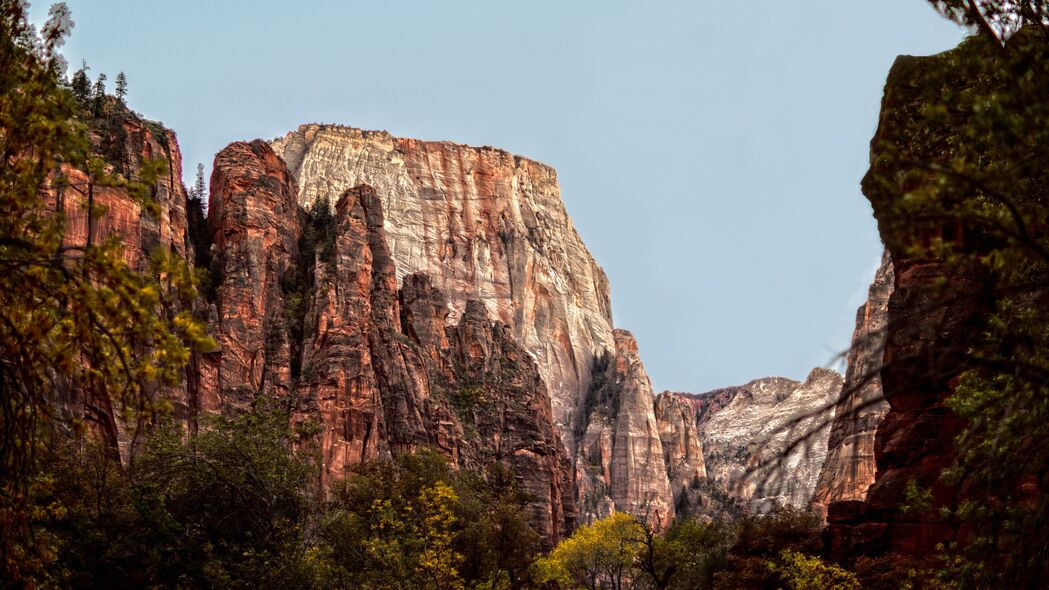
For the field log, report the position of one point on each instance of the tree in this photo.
(960, 182)
(81, 84)
(121, 87)
(200, 187)
(809, 572)
(599, 555)
(100, 95)
(75, 320)
(414, 522)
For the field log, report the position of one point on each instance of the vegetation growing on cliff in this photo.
(962, 176)
(75, 320)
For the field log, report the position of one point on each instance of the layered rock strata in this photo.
(768, 445)
(850, 466)
(763, 444)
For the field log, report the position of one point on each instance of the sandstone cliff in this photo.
(763, 443)
(935, 314)
(309, 313)
(682, 446)
(490, 226)
(850, 465)
(126, 142)
(485, 225)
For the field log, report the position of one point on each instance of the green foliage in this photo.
(415, 522)
(227, 508)
(759, 540)
(808, 572)
(965, 183)
(75, 320)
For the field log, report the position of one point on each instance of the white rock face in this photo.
(745, 443)
(484, 224)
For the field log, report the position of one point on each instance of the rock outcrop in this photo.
(619, 457)
(764, 443)
(850, 466)
(254, 223)
(308, 312)
(485, 225)
(937, 311)
(682, 446)
(126, 142)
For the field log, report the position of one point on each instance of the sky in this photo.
(709, 153)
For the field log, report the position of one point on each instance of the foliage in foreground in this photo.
(966, 169)
(77, 325)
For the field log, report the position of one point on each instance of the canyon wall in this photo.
(307, 311)
(850, 466)
(490, 226)
(936, 312)
(484, 224)
(126, 143)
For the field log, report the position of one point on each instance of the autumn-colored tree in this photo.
(599, 555)
(809, 572)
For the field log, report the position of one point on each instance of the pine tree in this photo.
(121, 87)
(100, 94)
(81, 84)
(200, 188)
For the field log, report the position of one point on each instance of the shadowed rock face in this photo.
(485, 225)
(929, 328)
(850, 465)
(127, 145)
(619, 460)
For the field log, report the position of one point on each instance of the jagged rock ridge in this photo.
(748, 435)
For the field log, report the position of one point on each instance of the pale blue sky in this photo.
(710, 153)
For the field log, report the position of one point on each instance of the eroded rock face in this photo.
(746, 441)
(619, 457)
(254, 223)
(485, 225)
(850, 465)
(378, 370)
(682, 445)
